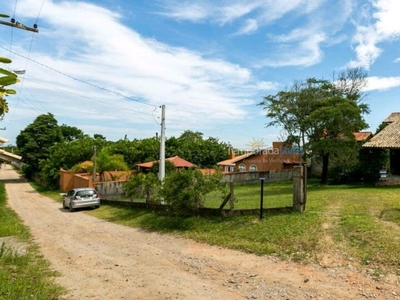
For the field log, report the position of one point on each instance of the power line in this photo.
(80, 80)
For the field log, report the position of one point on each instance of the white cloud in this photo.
(301, 48)
(186, 11)
(381, 83)
(385, 27)
(249, 27)
(197, 91)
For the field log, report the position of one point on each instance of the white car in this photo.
(81, 197)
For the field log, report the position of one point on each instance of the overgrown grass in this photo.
(362, 222)
(22, 276)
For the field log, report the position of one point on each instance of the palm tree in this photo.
(109, 162)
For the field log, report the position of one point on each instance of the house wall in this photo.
(271, 159)
(112, 190)
(66, 180)
(70, 180)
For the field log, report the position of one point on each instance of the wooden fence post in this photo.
(232, 196)
(298, 188)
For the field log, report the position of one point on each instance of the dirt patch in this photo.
(11, 245)
(101, 260)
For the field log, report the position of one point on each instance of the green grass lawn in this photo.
(362, 222)
(22, 276)
(248, 196)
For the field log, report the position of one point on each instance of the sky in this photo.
(107, 66)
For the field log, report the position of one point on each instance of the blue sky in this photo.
(107, 66)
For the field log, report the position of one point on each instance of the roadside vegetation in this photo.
(357, 224)
(23, 275)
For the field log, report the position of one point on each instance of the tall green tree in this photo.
(190, 145)
(321, 115)
(65, 155)
(71, 133)
(35, 141)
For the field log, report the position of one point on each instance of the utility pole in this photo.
(161, 173)
(18, 25)
(94, 164)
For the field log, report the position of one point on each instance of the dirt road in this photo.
(101, 260)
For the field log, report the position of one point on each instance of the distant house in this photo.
(178, 162)
(279, 157)
(362, 136)
(389, 138)
(7, 156)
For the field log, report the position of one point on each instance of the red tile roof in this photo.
(232, 161)
(176, 160)
(362, 136)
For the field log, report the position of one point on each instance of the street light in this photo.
(19, 71)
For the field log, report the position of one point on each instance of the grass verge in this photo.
(362, 223)
(22, 275)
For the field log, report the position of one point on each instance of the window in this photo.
(253, 168)
(242, 168)
(229, 169)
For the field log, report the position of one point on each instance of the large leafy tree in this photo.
(71, 133)
(321, 115)
(193, 147)
(35, 141)
(65, 155)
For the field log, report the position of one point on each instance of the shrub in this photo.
(143, 185)
(185, 190)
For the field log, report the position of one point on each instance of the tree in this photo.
(7, 78)
(109, 162)
(319, 115)
(71, 133)
(169, 167)
(65, 155)
(35, 141)
(185, 191)
(193, 147)
(143, 185)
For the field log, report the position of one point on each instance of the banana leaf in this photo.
(5, 60)
(7, 80)
(8, 73)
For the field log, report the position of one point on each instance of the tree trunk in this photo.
(325, 164)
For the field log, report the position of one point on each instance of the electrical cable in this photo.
(82, 81)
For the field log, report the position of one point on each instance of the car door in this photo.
(69, 197)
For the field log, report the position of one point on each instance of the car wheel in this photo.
(97, 206)
(71, 209)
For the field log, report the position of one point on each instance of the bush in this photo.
(185, 190)
(143, 185)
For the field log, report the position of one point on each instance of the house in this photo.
(179, 163)
(362, 136)
(279, 157)
(7, 156)
(389, 138)
(316, 164)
